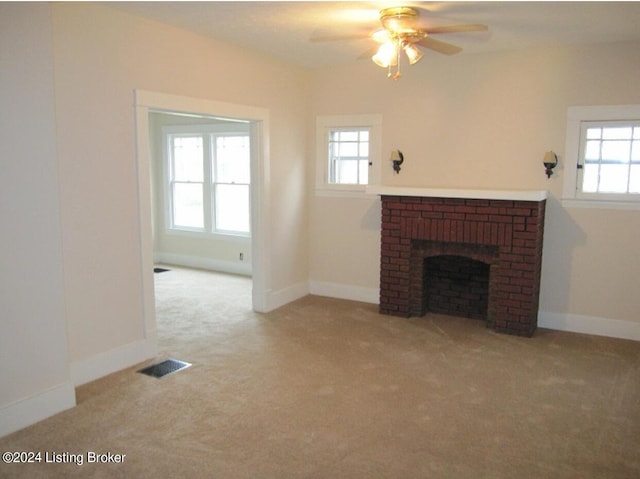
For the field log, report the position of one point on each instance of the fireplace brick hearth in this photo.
(504, 234)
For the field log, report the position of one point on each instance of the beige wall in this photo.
(485, 121)
(101, 56)
(34, 366)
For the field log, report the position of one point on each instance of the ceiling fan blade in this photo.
(438, 46)
(471, 27)
(338, 38)
(368, 54)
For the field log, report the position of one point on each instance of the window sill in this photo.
(343, 192)
(208, 236)
(600, 204)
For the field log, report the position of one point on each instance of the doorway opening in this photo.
(257, 120)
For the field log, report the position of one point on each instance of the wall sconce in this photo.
(550, 162)
(396, 159)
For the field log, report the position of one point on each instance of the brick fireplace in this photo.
(470, 253)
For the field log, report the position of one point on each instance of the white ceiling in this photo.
(284, 29)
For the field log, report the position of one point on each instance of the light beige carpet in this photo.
(325, 388)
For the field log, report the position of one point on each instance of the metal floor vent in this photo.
(165, 367)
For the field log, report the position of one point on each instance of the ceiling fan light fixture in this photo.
(402, 33)
(381, 36)
(399, 19)
(413, 53)
(387, 55)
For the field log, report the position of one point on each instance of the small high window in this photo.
(349, 156)
(348, 153)
(610, 157)
(603, 157)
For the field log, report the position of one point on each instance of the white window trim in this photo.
(242, 128)
(576, 115)
(323, 125)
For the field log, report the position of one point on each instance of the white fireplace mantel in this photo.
(514, 195)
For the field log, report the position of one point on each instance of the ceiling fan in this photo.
(402, 33)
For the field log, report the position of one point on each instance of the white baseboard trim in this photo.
(276, 299)
(615, 328)
(577, 323)
(108, 362)
(28, 411)
(232, 267)
(344, 291)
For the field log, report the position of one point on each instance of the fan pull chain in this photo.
(397, 74)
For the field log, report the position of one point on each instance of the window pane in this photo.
(613, 133)
(590, 178)
(364, 171)
(634, 179)
(592, 151)
(594, 133)
(616, 151)
(613, 178)
(232, 208)
(188, 205)
(348, 149)
(347, 172)
(187, 158)
(233, 159)
(348, 136)
(635, 150)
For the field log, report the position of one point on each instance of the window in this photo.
(208, 179)
(349, 156)
(231, 183)
(348, 152)
(603, 157)
(610, 157)
(186, 184)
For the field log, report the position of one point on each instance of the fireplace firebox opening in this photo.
(452, 278)
(456, 286)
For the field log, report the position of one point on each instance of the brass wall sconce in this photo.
(550, 162)
(396, 159)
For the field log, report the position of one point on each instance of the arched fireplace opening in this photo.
(453, 279)
(456, 286)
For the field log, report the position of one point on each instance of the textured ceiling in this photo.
(284, 29)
